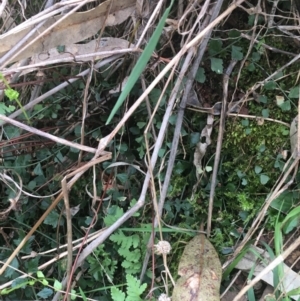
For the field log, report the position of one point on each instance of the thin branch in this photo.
(69, 231)
(219, 145)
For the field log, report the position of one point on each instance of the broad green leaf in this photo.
(216, 65)
(264, 179)
(141, 63)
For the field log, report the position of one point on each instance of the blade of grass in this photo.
(141, 63)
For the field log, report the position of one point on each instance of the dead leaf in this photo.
(75, 28)
(294, 136)
(201, 147)
(290, 281)
(200, 271)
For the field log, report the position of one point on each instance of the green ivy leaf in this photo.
(271, 85)
(122, 177)
(265, 113)
(256, 56)
(262, 98)
(216, 65)
(200, 75)
(294, 92)
(215, 47)
(286, 106)
(257, 169)
(9, 272)
(236, 53)
(38, 170)
(52, 219)
(45, 293)
(264, 179)
(141, 124)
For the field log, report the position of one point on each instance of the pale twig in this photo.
(154, 14)
(158, 207)
(71, 58)
(65, 192)
(47, 135)
(219, 144)
(5, 176)
(2, 6)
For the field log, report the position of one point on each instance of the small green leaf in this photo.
(251, 67)
(256, 56)
(141, 124)
(244, 182)
(38, 170)
(257, 169)
(215, 47)
(161, 152)
(236, 53)
(200, 75)
(194, 138)
(57, 285)
(216, 65)
(245, 122)
(294, 92)
(40, 274)
(116, 294)
(172, 119)
(262, 99)
(45, 293)
(11, 94)
(264, 179)
(286, 106)
(208, 168)
(265, 113)
(52, 219)
(271, 85)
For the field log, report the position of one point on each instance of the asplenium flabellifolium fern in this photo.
(129, 249)
(134, 290)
